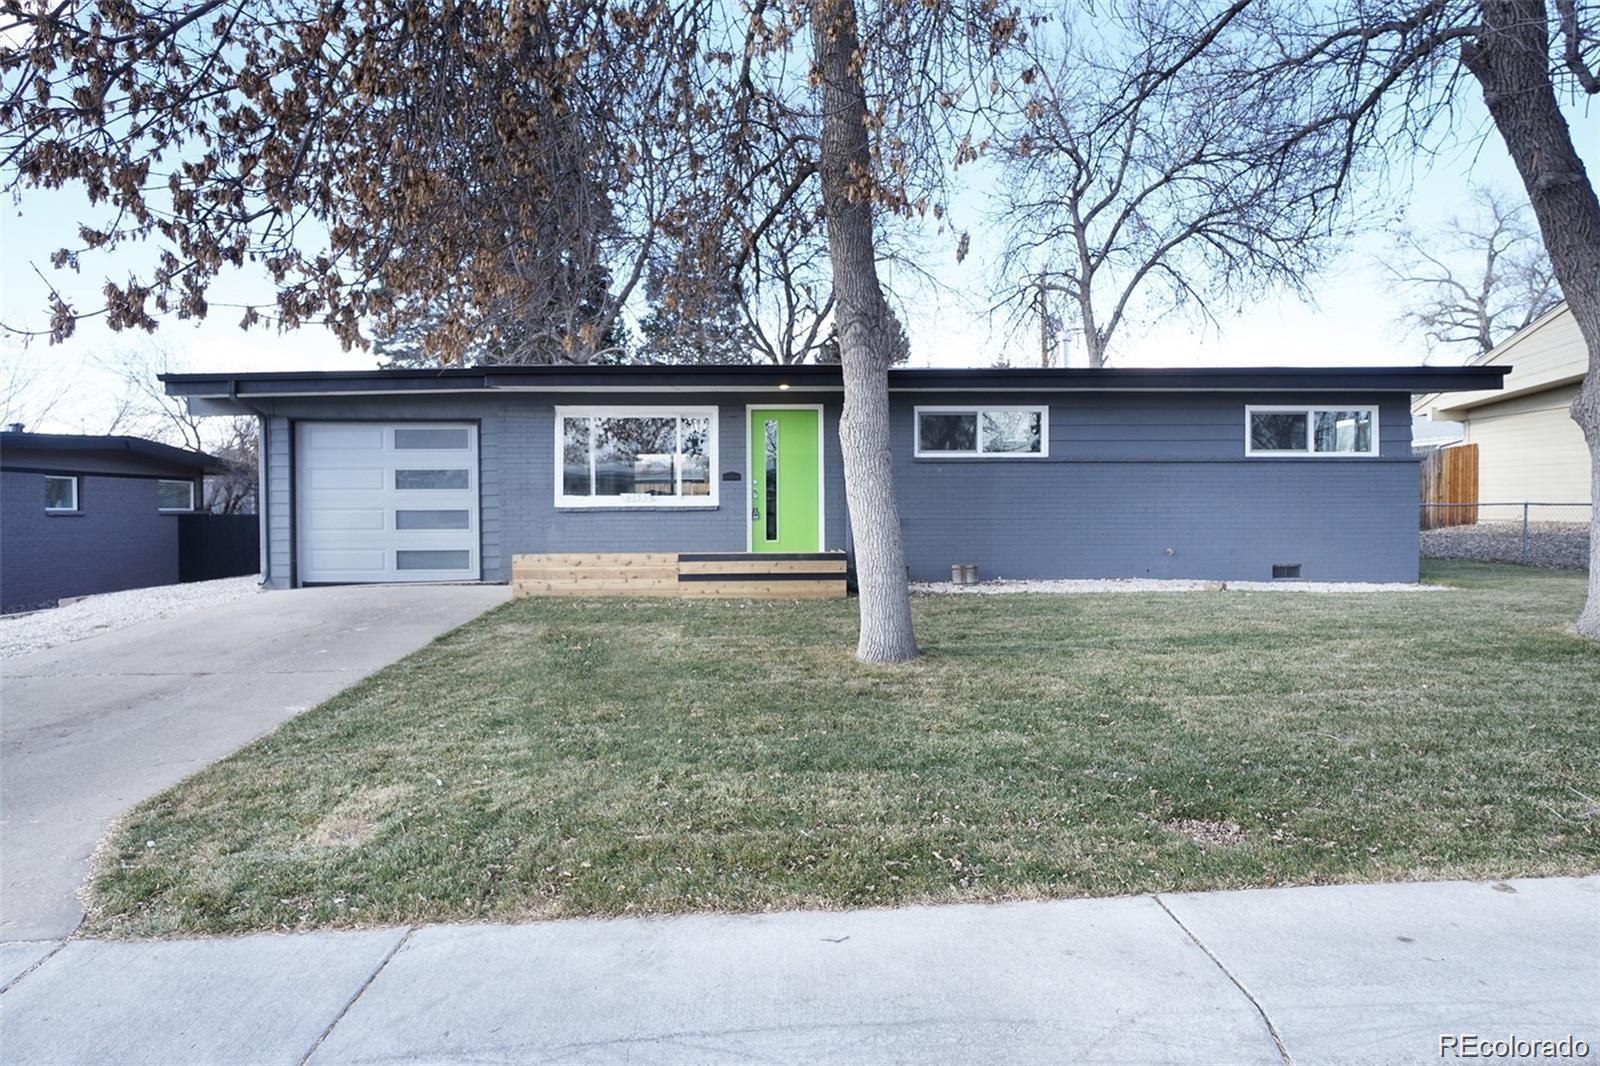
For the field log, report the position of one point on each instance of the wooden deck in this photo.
(682, 575)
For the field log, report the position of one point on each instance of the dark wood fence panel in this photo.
(218, 545)
(1450, 475)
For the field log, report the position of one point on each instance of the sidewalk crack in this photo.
(9, 985)
(1272, 1030)
(351, 1002)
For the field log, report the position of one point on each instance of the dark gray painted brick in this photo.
(1138, 485)
(1129, 476)
(117, 540)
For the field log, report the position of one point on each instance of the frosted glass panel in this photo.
(430, 479)
(454, 439)
(431, 520)
(432, 560)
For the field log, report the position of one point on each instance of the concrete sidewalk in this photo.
(1359, 974)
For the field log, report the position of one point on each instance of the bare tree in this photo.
(1476, 279)
(1363, 78)
(234, 489)
(1134, 180)
(770, 301)
(788, 299)
(870, 338)
(144, 406)
(145, 409)
(26, 397)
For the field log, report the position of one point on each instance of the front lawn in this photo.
(569, 757)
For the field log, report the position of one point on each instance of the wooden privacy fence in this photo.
(1449, 476)
(687, 575)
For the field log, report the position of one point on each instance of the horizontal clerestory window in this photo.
(1302, 431)
(998, 432)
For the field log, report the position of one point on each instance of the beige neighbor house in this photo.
(1529, 448)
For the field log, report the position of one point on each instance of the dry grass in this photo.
(577, 757)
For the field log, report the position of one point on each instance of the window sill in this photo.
(932, 457)
(75, 513)
(594, 508)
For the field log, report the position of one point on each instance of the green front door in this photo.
(785, 480)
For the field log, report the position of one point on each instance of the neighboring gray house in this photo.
(437, 475)
(84, 514)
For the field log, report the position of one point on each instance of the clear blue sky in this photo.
(1352, 321)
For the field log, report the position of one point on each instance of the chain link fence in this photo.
(1533, 534)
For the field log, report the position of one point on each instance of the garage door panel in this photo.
(349, 560)
(346, 437)
(387, 502)
(343, 478)
(368, 519)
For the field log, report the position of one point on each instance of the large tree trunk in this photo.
(1510, 59)
(869, 340)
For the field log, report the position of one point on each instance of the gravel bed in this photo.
(1550, 544)
(1003, 586)
(24, 633)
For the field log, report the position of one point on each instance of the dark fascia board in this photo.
(75, 442)
(637, 378)
(1207, 379)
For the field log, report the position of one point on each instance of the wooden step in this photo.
(602, 560)
(593, 588)
(691, 575)
(761, 590)
(762, 566)
(594, 573)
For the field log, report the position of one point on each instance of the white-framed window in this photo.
(988, 432)
(636, 457)
(1292, 430)
(174, 495)
(60, 493)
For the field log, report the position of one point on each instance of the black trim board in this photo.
(108, 445)
(266, 385)
(758, 576)
(60, 472)
(739, 557)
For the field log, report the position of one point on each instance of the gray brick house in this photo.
(1230, 473)
(87, 514)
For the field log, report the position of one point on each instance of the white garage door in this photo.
(387, 501)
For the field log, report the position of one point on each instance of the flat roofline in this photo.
(637, 378)
(109, 445)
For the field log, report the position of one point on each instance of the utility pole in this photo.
(1044, 323)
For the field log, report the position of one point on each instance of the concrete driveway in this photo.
(91, 728)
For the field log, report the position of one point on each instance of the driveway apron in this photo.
(90, 728)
